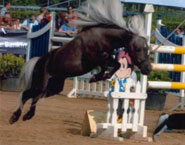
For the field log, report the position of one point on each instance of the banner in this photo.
(13, 41)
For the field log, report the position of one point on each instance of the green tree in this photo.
(23, 2)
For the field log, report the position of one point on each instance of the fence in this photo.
(41, 38)
(81, 86)
(171, 67)
(172, 58)
(133, 116)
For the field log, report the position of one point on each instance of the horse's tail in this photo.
(26, 73)
(25, 77)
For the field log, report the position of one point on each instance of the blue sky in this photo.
(175, 3)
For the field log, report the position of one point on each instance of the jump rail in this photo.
(173, 49)
(168, 67)
(165, 85)
(168, 49)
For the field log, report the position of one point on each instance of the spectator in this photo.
(46, 18)
(8, 23)
(4, 10)
(67, 29)
(179, 33)
(70, 14)
(42, 13)
(60, 20)
(31, 19)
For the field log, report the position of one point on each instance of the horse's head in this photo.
(137, 46)
(138, 51)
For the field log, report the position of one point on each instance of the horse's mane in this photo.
(84, 28)
(108, 12)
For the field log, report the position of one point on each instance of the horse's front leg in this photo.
(99, 76)
(115, 64)
(102, 75)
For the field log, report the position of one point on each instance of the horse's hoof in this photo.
(13, 119)
(106, 76)
(28, 116)
(93, 79)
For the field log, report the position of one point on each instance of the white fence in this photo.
(81, 86)
(133, 115)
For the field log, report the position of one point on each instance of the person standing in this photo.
(4, 10)
(71, 15)
(42, 13)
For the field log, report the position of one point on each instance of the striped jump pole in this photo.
(168, 49)
(168, 67)
(165, 85)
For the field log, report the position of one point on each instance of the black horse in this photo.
(92, 47)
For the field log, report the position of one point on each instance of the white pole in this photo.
(182, 78)
(52, 30)
(156, 55)
(148, 10)
(29, 43)
(148, 23)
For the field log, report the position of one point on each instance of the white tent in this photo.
(172, 3)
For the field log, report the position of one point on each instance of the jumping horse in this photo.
(104, 30)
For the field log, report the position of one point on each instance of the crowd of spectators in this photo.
(6, 20)
(62, 24)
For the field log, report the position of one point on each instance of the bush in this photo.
(10, 65)
(172, 25)
(158, 76)
(22, 14)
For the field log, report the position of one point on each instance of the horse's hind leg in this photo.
(26, 95)
(31, 112)
(54, 86)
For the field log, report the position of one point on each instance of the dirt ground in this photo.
(58, 121)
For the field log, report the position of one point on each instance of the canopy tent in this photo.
(172, 3)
